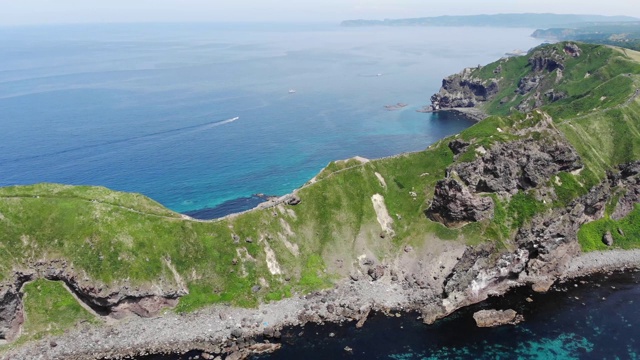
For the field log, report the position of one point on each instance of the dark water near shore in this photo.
(597, 319)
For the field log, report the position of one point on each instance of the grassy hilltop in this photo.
(115, 238)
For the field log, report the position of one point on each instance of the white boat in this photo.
(292, 91)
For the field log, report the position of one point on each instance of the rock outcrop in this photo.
(493, 318)
(543, 250)
(453, 204)
(116, 301)
(462, 90)
(518, 165)
(11, 314)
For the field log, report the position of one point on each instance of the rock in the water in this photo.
(607, 239)
(453, 204)
(492, 318)
(542, 286)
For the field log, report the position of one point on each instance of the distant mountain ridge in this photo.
(526, 20)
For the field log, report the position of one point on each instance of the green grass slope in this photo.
(285, 249)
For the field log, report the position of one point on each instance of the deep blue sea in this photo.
(148, 108)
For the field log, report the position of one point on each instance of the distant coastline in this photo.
(526, 20)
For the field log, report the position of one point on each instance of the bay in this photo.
(148, 108)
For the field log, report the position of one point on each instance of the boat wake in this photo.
(160, 134)
(223, 122)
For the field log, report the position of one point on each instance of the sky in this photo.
(29, 12)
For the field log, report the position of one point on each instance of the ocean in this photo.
(200, 117)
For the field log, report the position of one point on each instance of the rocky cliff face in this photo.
(453, 204)
(504, 169)
(518, 165)
(542, 250)
(463, 90)
(468, 89)
(117, 300)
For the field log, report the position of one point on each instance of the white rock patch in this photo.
(272, 262)
(381, 179)
(382, 214)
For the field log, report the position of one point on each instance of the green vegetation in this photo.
(567, 188)
(50, 308)
(293, 249)
(625, 232)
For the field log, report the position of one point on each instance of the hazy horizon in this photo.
(41, 12)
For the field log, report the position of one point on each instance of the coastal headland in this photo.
(543, 189)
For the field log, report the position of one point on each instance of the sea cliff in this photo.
(523, 198)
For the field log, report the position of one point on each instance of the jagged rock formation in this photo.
(453, 204)
(518, 165)
(544, 248)
(505, 168)
(462, 90)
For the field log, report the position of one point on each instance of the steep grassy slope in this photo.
(597, 79)
(117, 238)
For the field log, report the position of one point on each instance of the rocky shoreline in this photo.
(471, 113)
(232, 332)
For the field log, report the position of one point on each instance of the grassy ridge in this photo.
(115, 236)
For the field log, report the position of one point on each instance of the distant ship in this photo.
(292, 91)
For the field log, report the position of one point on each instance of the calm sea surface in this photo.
(149, 108)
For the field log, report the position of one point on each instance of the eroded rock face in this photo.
(518, 165)
(118, 300)
(453, 204)
(11, 315)
(463, 90)
(543, 249)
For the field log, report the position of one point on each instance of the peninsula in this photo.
(546, 187)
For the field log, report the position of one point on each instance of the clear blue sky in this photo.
(16, 12)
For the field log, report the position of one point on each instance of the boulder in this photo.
(607, 239)
(376, 272)
(493, 318)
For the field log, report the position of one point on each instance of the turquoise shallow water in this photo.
(143, 108)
